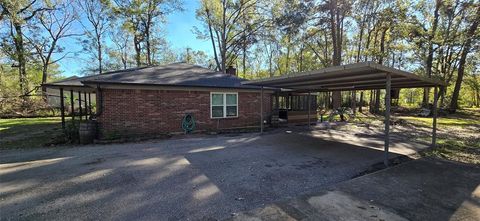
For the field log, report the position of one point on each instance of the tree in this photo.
(196, 57)
(471, 35)
(222, 20)
(430, 50)
(97, 19)
(53, 25)
(120, 53)
(451, 18)
(337, 11)
(139, 17)
(156, 9)
(19, 13)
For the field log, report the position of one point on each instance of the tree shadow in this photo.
(197, 178)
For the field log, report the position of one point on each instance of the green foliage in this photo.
(30, 132)
(261, 38)
(463, 150)
(112, 135)
(11, 101)
(458, 138)
(71, 132)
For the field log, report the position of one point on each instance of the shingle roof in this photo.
(175, 74)
(72, 81)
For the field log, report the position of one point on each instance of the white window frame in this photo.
(224, 104)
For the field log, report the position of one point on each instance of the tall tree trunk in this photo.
(99, 51)
(380, 61)
(325, 51)
(360, 103)
(336, 57)
(359, 46)
(223, 51)
(148, 45)
(367, 45)
(463, 58)
(20, 52)
(148, 26)
(46, 63)
(370, 104)
(376, 107)
(441, 94)
(287, 62)
(244, 57)
(429, 62)
(478, 97)
(138, 50)
(270, 61)
(212, 39)
(302, 48)
(333, 26)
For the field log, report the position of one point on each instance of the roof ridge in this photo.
(195, 65)
(124, 70)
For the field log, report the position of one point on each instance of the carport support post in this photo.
(387, 117)
(435, 113)
(86, 105)
(277, 103)
(309, 106)
(80, 104)
(62, 108)
(354, 102)
(261, 110)
(72, 105)
(89, 104)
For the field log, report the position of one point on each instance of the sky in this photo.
(179, 35)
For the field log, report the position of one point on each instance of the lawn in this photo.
(29, 132)
(463, 118)
(458, 134)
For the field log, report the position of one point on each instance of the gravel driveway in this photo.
(208, 177)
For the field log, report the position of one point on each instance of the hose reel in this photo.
(188, 123)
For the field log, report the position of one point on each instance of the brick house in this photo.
(154, 100)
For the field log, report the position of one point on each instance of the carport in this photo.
(352, 77)
(74, 87)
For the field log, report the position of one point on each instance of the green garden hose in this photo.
(188, 123)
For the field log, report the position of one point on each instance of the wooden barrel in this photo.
(87, 131)
(275, 120)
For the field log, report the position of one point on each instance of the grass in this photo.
(29, 132)
(457, 136)
(367, 118)
(466, 151)
(452, 120)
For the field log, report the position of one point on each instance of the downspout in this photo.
(99, 111)
(100, 101)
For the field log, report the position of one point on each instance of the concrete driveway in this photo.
(207, 177)
(425, 189)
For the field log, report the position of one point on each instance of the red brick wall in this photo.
(133, 111)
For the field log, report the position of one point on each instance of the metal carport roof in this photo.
(358, 76)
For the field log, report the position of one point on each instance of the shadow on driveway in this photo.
(194, 178)
(425, 189)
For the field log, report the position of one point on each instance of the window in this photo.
(223, 105)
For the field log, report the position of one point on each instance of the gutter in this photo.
(242, 86)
